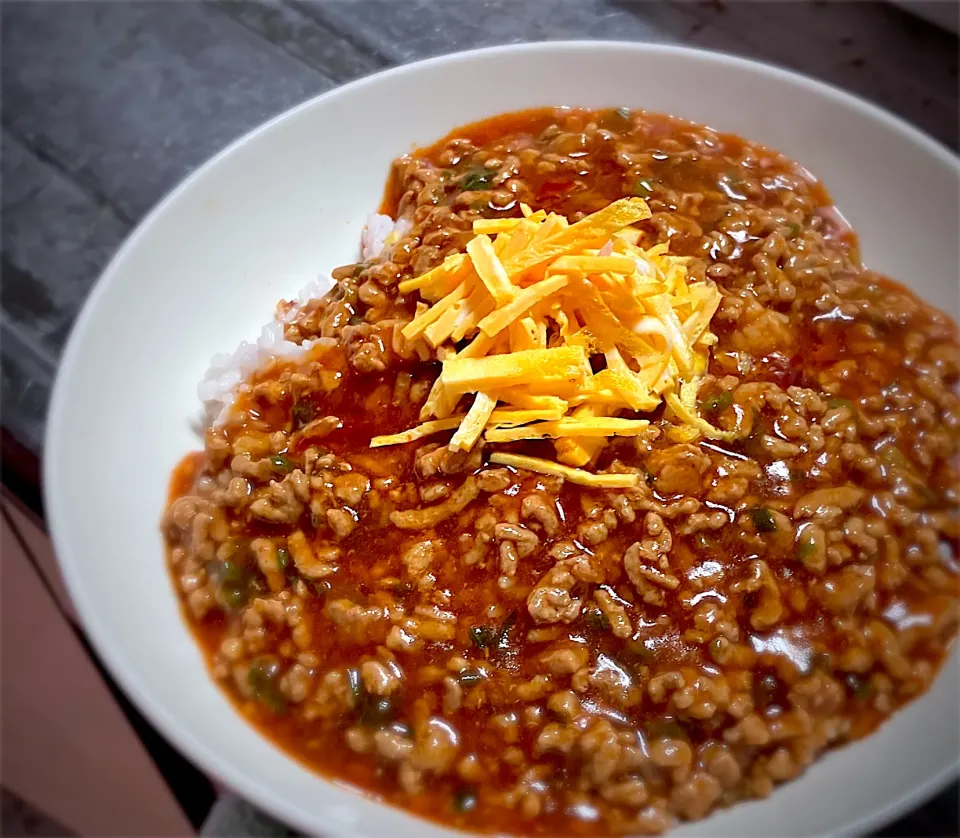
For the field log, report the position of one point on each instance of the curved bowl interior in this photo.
(205, 270)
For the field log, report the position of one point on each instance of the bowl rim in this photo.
(237, 778)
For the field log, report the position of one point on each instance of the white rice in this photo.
(380, 231)
(374, 235)
(225, 378)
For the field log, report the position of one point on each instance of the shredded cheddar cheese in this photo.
(574, 475)
(573, 330)
(426, 429)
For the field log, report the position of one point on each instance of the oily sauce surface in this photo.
(810, 320)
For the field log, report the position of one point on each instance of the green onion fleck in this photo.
(477, 180)
(376, 711)
(642, 188)
(262, 677)
(233, 595)
(623, 113)
(639, 651)
(229, 572)
(482, 636)
(464, 799)
(763, 520)
(718, 401)
(596, 619)
(281, 462)
(302, 412)
(860, 687)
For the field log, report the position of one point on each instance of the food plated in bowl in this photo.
(606, 489)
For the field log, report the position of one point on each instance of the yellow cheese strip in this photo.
(682, 433)
(597, 427)
(593, 265)
(679, 349)
(492, 226)
(568, 320)
(500, 243)
(418, 325)
(542, 280)
(434, 397)
(438, 331)
(602, 322)
(473, 423)
(707, 297)
(478, 347)
(477, 306)
(498, 320)
(599, 225)
(440, 402)
(552, 224)
(488, 267)
(426, 429)
(543, 339)
(578, 451)
(536, 334)
(468, 425)
(519, 238)
(690, 417)
(574, 475)
(597, 398)
(641, 286)
(653, 330)
(614, 290)
(436, 291)
(563, 363)
(676, 282)
(628, 384)
(566, 390)
(445, 269)
(657, 251)
(520, 397)
(628, 387)
(519, 337)
(653, 371)
(506, 418)
(631, 235)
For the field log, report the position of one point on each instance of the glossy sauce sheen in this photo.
(364, 405)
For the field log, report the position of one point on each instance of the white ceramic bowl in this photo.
(206, 268)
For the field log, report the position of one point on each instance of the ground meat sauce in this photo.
(505, 653)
